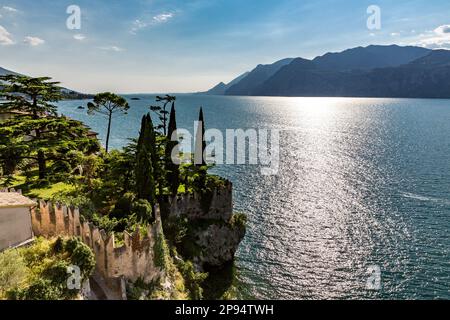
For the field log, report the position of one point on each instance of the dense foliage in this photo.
(37, 134)
(40, 272)
(54, 158)
(146, 162)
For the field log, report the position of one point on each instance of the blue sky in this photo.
(137, 46)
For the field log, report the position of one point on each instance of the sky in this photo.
(148, 46)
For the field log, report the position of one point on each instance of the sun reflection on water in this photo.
(362, 182)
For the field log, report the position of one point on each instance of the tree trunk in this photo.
(42, 165)
(41, 156)
(9, 166)
(109, 132)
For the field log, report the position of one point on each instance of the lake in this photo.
(363, 184)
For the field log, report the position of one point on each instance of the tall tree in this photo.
(200, 143)
(31, 96)
(144, 172)
(172, 169)
(11, 152)
(58, 136)
(162, 111)
(108, 104)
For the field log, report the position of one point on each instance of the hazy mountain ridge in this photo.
(426, 77)
(257, 77)
(66, 93)
(4, 72)
(373, 71)
(371, 57)
(221, 88)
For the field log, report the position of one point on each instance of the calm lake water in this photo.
(362, 182)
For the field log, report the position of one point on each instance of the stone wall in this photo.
(221, 207)
(132, 260)
(216, 237)
(135, 259)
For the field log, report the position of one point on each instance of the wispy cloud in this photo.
(79, 37)
(163, 17)
(112, 48)
(139, 24)
(33, 41)
(443, 30)
(10, 9)
(5, 37)
(439, 38)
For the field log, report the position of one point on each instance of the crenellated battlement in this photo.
(135, 258)
(132, 260)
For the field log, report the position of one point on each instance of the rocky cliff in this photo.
(206, 233)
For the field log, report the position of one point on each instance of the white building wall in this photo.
(15, 226)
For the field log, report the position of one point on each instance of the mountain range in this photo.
(4, 72)
(373, 71)
(66, 93)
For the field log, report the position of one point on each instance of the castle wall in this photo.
(221, 207)
(133, 260)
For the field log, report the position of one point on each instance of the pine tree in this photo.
(161, 112)
(58, 136)
(34, 97)
(108, 104)
(172, 169)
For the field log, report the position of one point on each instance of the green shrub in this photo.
(193, 280)
(77, 200)
(139, 289)
(143, 210)
(176, 229)
(106, 223)
(13, 270)
(123, 206)
(80, 255)
(161, 251)
(58, 245)
(70, 245)
(44, 268)
(40, 289)
(45, 264)
(56, 272)
(84, 258)
(239, 220)
(35, 254)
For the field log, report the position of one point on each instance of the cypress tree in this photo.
(173, 170)
(151, 144)
(144, 172)
(172, 121)
(200, 143)
(199, 158)
(154, 148)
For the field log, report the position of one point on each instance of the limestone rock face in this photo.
(219, 243)
(213, 234)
